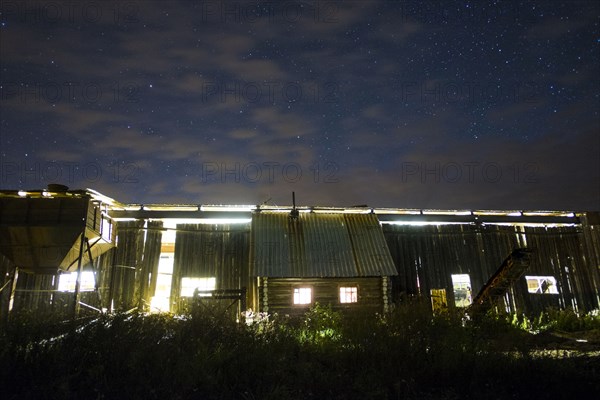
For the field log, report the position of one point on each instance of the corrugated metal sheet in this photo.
(319, 245)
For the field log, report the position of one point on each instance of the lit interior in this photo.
(66, 282)
(189, 285)
(541, 284)
(349, 294)
(160, 300)
(461, 283)
(302, 295)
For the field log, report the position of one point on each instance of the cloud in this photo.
(554, 28)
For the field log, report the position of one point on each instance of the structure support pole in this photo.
(11, 295)
(78, 280)
(111, 289)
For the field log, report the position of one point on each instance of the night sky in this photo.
(433, 104)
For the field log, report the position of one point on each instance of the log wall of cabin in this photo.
(276, 294)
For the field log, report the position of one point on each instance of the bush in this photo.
(559, 320)
(408, 353)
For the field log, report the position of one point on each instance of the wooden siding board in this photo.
(129, 255)
(203, 251)
(440, 251)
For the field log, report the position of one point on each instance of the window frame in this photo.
(68, 280)
(312, 295)
(540, 278)
(348, 286)
(458, 280)
(207, 278)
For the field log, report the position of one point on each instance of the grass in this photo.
(408, 354)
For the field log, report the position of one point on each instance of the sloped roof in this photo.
(319, 245)
(42, 233)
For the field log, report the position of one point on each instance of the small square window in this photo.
(302, 295)
(541, 284)
(348, 294)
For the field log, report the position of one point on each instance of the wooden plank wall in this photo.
(128, 258)
(147, 268)
(6, 271)
(427, 256)
(220, 251)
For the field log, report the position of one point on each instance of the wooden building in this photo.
(340, 259)
(281, 259)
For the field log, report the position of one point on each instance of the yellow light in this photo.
(159, 304)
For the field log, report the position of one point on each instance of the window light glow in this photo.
(66, 282)
(446, 212)
(349, 294)
(234, 208)
(189, 285)
(302, 295)
(425, 223)
(219, 221)
(461, 283)
(396, 211)
(169, 207)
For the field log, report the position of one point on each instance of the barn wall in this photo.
(220, 251)
(276, 294)
(424, 256)
(589, 278)
(38, 293)
(427, 256)
(128, 258)
(6, 273)
(147, 268)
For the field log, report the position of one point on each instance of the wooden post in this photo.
(78, 280)
(13, 289)
(111, 289)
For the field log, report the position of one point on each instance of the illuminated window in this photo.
(461, 283)
(541, 284)
(349, 294)
(106, 229)
(189, 285)
(302, 295)
(66, 282)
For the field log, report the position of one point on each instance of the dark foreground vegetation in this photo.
(409, 354)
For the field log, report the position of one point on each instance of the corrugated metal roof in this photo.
(319, 245)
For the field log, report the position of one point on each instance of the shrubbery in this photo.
(558, 320)
(409, 353)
